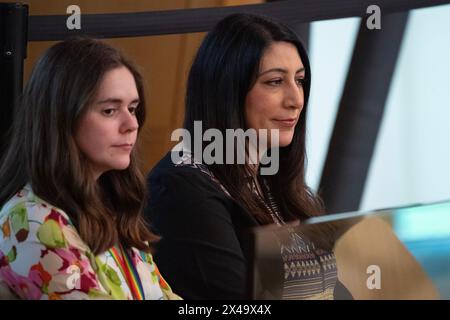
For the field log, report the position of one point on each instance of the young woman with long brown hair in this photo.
(71, 194)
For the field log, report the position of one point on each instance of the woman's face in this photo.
(106, 133)
(276, 99)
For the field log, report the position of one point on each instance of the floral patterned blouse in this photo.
(43, 257)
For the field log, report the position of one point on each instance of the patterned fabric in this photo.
(310, 272)
(43, 257)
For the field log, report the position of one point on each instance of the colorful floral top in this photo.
(43, 257)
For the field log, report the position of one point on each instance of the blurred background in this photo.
(410, 162)
(411, 159)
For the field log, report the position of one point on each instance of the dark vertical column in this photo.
(13, 44)
(360, 113)
(301, 29)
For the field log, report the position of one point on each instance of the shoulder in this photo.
(25, 203)
(184, 189)
(28, 218)
(38, 247)
(184, 179)
(188, 193)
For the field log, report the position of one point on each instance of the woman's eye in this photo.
(108, 112)
(275, 82)
(132, 110)
(300, 81)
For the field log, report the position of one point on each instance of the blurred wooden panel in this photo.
(240, 2)
(47, 7)
(163, 60)
(372, 242)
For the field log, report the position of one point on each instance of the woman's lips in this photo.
(126, 147)
(289, 122)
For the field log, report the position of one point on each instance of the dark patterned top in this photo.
(309, 272)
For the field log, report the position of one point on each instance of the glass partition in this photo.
(395, 253)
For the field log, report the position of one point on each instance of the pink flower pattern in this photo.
(43, 257)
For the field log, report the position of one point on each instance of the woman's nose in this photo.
(294, 96)
(129, 122)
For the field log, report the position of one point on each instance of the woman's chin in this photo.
(285, 140)
(122, 165)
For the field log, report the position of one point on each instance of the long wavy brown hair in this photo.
(42, 150)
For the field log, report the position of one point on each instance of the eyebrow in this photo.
(280, 70)
(115, 101)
